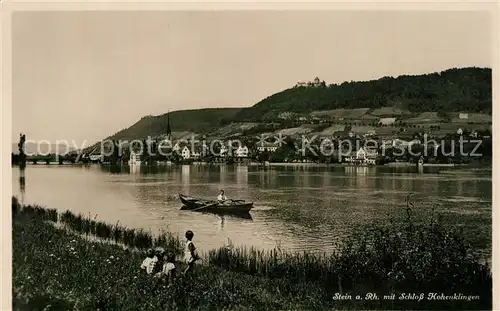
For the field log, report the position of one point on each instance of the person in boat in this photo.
(190, 253)
(221, 198)
(149, 263)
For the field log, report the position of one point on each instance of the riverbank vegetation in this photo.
(58, 266)
(119, 234)
(404, 255)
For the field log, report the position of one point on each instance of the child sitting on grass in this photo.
(169, 270)
(150, 262)
(160, 254)
(190, 253)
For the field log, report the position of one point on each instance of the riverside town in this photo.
(200, 160)
(368, 149)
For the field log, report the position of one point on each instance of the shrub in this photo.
(401, 255)
(15, 205)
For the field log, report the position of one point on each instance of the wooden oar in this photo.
(237, 200)
(204, 206)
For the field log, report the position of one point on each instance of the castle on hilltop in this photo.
(315, 82)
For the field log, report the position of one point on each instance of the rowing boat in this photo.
(230, 206)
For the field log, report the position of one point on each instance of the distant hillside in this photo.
(196, 121)
(453, 90)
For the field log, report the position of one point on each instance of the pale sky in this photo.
(86, 75)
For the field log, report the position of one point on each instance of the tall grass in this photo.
(299, 267)
(136, 238)
(55, 269)
(33, 210)
(16, 206)
(404, 254)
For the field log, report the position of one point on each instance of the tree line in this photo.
(453, 90)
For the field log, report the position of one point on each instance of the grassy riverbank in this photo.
(53, 265)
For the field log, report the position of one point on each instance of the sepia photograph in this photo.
(251, 159)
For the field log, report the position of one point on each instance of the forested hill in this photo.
(196, 120)
(453, 90)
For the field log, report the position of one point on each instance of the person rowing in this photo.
(221, 198)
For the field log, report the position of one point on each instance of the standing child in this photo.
(190, 253)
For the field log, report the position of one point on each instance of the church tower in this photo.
(169, 131)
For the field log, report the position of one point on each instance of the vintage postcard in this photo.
(237, 156)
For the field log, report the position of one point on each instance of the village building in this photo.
(399, 143)
(269, 147)
(387, 121)
(405, 143)
(437, 148)
(387, 143)
(286, 115)
(196, 152)
(96, 158)
(242, 152)
(370, 133)
(195, 155)
(186, 153)
(204, 149)
(343, 134)
(223, 151)
(315, 82)
(176, 147)
(415, 141)
(362, 156)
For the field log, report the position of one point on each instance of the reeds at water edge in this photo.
(399, 256)
(87, 225)
(34, 210)
(298, 267)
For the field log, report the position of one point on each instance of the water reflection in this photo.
(304, 207)
(221, 224)
(186, 170)
(22, 183)
(151, 169)
(185, 174)
(135, 169)
(359, 175)
(241, 175)
(356, 170)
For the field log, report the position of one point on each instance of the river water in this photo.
(298, 208)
